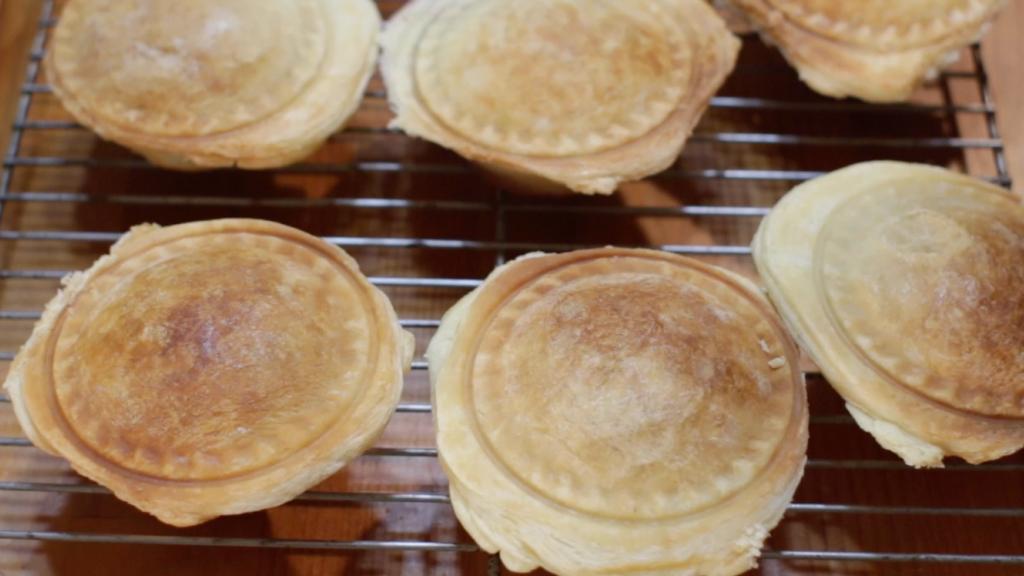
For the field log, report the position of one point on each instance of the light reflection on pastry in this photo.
(876, 50)
(583, 93)
(613, 411)
(211, 368)
(903, 282)
(210, 83)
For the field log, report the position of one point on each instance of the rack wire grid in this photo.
(427, 227)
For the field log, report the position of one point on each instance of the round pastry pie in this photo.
(196, 84)
(876, 50)
(580, 92)
(612, 411)
(903, 282)
(211, 368)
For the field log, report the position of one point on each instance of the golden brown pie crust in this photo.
(211, 83)
(614, 410)
(584, 93)
(211, 368)
(902, 281)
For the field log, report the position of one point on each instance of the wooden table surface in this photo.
(1004, 52)
(847, 468)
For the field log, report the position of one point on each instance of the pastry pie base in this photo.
(902, 282)
(211, 368)
(585, 94)
(199, 84)
(613, 411)
(870, 49)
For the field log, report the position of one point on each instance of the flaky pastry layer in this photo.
(900, 281)
(581, 404)
(583, 94)
(874, 50)
(200, 84)
(211, 368)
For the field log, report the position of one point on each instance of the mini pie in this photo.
(581, 92)
(612, 411)
(194, 84)
(903, 282)
(876, 50)
(211, 368)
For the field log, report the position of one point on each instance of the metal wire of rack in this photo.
(731, 197)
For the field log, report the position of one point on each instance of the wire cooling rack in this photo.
(427, 227)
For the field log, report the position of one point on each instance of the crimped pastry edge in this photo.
(833, 68)
(712, 555)
(172, 505)
(282, 138)
(907, 428)
(592, 174)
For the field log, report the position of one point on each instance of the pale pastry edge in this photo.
(271, 142)
(838, 70)
(723, 559)
(399, 42)
(170, 508)
(901, 429)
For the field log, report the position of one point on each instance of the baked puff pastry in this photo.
(211, 368)
(875, 50)
(194, 84)
(903, 282)
(579, 92)
(618, 411)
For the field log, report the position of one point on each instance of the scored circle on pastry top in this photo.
(188, 68)
(552, 77)
(922, 279)
(630, 387)
(886, 24)
(169, 366)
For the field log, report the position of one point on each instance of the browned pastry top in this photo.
(211, 368)
(627, 384)
(923, 278)
(210, 356)
(552, 77)
(188, 67)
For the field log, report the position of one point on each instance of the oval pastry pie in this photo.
(211, 368)
(903, 282)
(583, 93)
(211, 83)
(613, 411)
(876, 50)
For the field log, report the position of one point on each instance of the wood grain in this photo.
(17, 28)
(1004, 50)
(115, 198)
